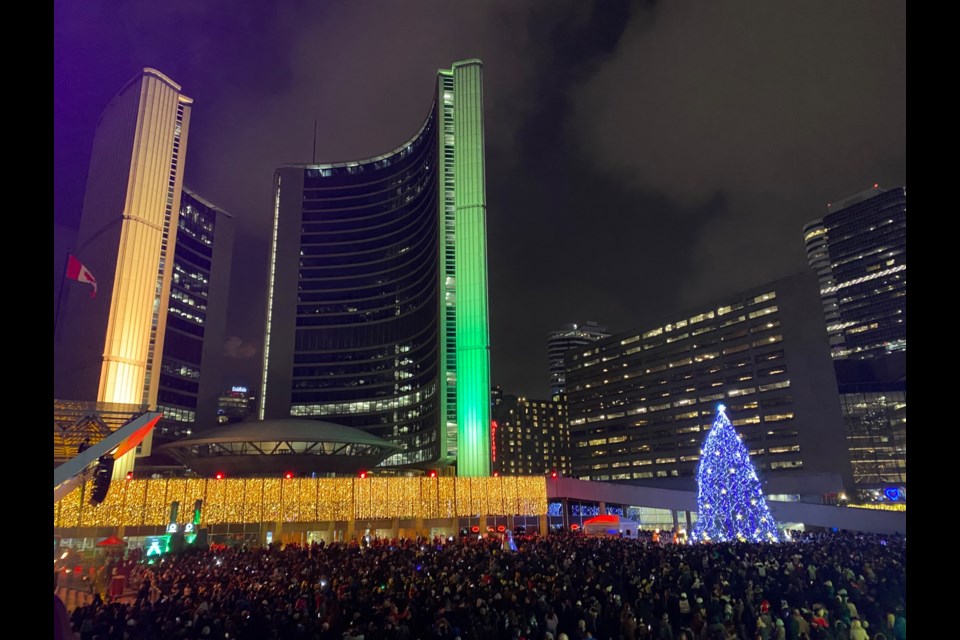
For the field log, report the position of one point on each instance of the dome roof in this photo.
(267, 447)
(288, 430)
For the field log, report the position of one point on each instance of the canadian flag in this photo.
(76, 271)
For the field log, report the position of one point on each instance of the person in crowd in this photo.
(567, 586)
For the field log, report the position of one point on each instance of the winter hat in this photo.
(779, 622)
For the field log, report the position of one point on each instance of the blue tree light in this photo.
(730, 504)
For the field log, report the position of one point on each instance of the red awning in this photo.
(112, 541)
(603, 519)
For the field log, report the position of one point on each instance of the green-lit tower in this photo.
(386, 328)
(470, 381)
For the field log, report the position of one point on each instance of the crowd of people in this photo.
(841, 586)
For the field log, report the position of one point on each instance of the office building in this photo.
(191, 366)
(562, 340)
(640, 402)
(377, 289)
(858, 250)
(873, 402)
(106, 348)
(496, 397)
(236, 405)
(529, 437)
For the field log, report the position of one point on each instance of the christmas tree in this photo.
(730, 504)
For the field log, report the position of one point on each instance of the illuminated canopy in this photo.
(279, 446)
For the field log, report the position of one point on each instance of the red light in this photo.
(574, 527)
(501, 528)
(602, 518)
(432, 474)
(363, 474)
(876, 185)
(553, 474)
(475, 529)
(219, 475)
(129, 475)
(288, 475)
(496, 474)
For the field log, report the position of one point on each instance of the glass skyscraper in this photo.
(562, 340)
(196, 315)
(377, 289)
(858, 251)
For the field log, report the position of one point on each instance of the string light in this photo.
(290, 499)
(177, 492)
(146, 502)
(271, 500)
(479, 493)
(448, 492)
(156, 509)
(730, 505)
(213, 504)
(308, 499)
(233, 501)
(135, 502)
(196, 490)
(495, 495)
(253, 500)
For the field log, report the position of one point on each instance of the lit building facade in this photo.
(236, 405)
(529, 437)
(562, 340)
(107, 348)
(191, 367)
(641, 401)
(876, 420)
(873, 400)
(858, 251)
(377, 289)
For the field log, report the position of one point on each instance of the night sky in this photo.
(642, 158)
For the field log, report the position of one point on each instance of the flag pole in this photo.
(56, 311)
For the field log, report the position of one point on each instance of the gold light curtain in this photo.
(134, 503)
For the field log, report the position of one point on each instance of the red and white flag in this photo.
(76, 271)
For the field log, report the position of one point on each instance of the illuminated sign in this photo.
(188, 528)
(238, 389)
(493, 440)
(157, 545)
(172, 527)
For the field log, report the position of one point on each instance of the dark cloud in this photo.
(639, 156)
(767, 110)
(742, 97)
(236, 348)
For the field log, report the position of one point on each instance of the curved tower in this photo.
(377, 290)
(108, 349)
